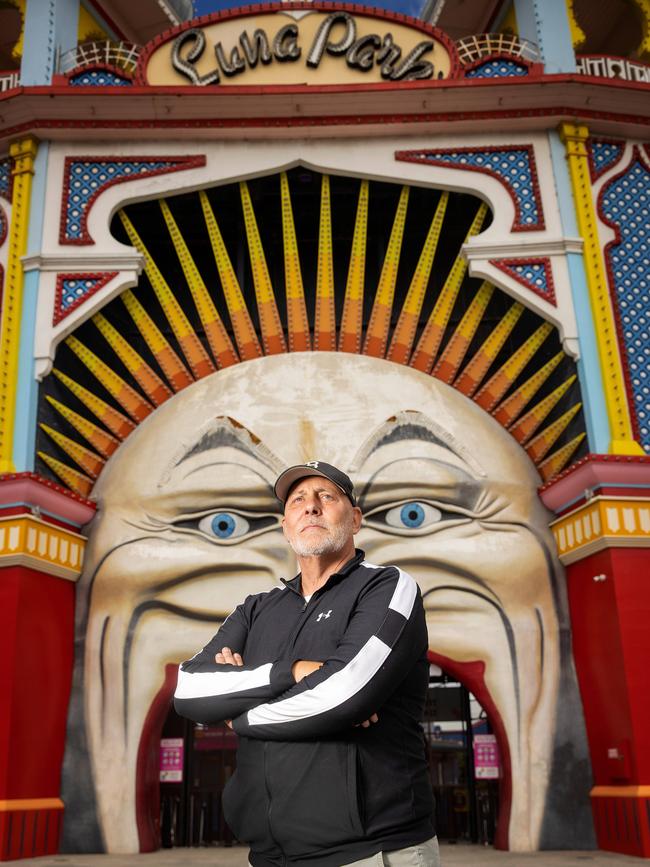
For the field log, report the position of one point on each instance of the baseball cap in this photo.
(288, 478)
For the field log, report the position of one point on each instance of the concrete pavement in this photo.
(452, 856)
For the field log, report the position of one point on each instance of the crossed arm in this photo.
(292, 700)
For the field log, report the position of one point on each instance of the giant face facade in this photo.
(187, 526)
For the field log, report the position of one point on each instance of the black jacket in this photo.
(310, 787)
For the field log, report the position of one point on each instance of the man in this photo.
(325, 682)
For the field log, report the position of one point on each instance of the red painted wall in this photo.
(610, 621)
(36, 648)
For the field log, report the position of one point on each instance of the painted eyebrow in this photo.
(410, 425)
(230, 432)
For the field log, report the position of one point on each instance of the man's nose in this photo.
(312, 507)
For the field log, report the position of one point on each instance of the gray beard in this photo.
(336, 539)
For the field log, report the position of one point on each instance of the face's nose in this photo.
(312, 504)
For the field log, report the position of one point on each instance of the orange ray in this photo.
(352, 318)
(149, 382)
(559, 459)
(325, 319)
(297, 324)
(88, 461)
(477, 368)
(176, 374)
(542, 443)
(72, 479)
(119, 424)
(100, 439)
(270, 325)
(454, 352)
(379, 325)
(136, 406)
(528, 424)
(402, 340)
(497, 385)
(508, 411)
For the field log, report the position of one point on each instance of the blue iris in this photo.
(223, 525)
(412, 514)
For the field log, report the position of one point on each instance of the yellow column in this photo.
(574, 138)
(23, 153)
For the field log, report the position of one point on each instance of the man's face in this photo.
(188, 525)
(319, 518)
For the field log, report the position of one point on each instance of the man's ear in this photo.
(356, 519)
(284, 531)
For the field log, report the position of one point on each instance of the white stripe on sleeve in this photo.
(336, 690)
(206, 683)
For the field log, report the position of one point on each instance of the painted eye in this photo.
(224, 525)
(412, 516)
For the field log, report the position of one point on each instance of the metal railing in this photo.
(613, 67)
(472, 48)
(8, 80)
(123, 55)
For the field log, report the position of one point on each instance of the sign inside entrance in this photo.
(171, 760)
(486, 757)
(299, 44)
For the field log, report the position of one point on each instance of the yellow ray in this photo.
(73, 479)
(431, 337)
(556, 462)
(100, 439)
(270, 325)
(242, 325)
(379, 325)
(528, 424)
(119, 424)
(453, 354)
(508, 411)
(137, 407)
(177, 375)
(325, 319)
(297, 324)
(541, 444)
(352, 318)
(149, 382)
(473, 373)
(188, 340)
(88, 461)
(220, 344)
(496, 387)
(402, 340)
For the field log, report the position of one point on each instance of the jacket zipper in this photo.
(268, 795)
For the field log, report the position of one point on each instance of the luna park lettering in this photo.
(362, 53)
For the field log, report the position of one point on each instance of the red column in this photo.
(603, 537)
(41, 552)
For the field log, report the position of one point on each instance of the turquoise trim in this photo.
(547, 24)
(50, 26)
(589, 372)
(27, 387)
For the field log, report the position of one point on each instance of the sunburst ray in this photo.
(352, 318)
(476, 369)
(102, 441)
(73, 479)
(325, 316)
(453, 354)
(114, 420)
(89, 462)
(528, 424)
(297, 323)
(512, 406)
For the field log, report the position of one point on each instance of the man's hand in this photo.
(227, 657)
(303, 667)
(373, 718)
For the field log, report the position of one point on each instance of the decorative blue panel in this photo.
(625, 204)
(602, 156)
(98, 78)
(497, 68)
(5, 179)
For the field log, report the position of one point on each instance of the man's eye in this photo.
(413, 515)
(224, 525)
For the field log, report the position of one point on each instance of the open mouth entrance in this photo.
(183, 767)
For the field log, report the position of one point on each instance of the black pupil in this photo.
(413, 515)
(223, 525)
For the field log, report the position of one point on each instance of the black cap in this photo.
(288, 478)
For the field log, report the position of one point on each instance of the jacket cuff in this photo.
(281, 677)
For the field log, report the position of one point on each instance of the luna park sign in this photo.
(299, 44)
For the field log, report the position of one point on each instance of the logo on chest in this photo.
(323, 615)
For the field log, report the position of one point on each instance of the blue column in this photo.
(27, 386)
(546, 22)
(589, 370)
(51, 27)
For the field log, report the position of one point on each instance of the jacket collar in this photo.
(344, 571)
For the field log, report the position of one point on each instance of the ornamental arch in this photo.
(293, 314)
